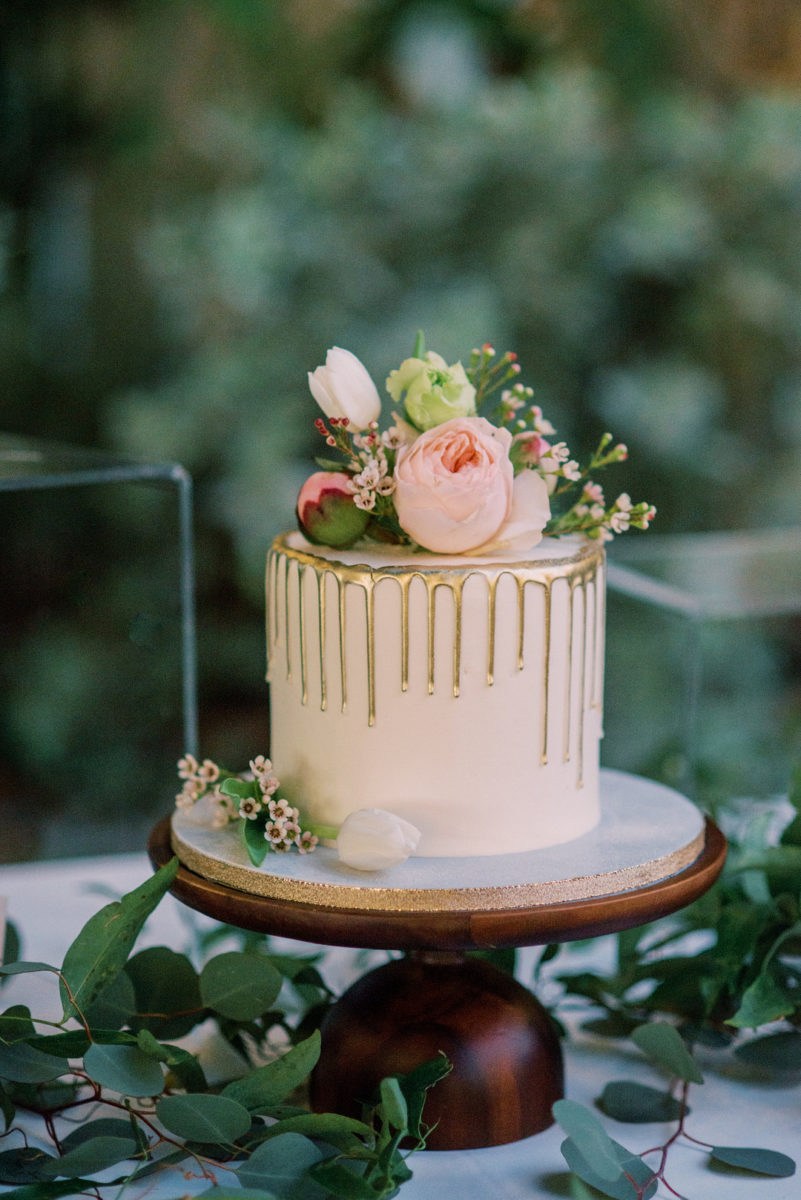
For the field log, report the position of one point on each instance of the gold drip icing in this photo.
(546, 671)
(581, 570)
(571, 593)
(341, 607)
(321, 579)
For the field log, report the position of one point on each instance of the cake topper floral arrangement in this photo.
(469, 464)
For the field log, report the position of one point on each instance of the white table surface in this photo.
(49, 903)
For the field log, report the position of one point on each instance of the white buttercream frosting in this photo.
(463, 694)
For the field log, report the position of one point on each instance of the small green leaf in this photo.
(637, 1104)
(663, 1046)
(776, 1052)
(589, 1136)
(186, 1068)
(239, 986)
(167, 990)
(124, 1069)
(269, 1085)
(282, 1164)
(100, 950)
(761, 1162)
(20, 1063)
(241, 789)
(255, 842)
(330, 464)
(393, 1103)
(762, 1001)
(96, 1154)
(415, 1085)
(213, 1120)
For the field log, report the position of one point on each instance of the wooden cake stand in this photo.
(507, 1063)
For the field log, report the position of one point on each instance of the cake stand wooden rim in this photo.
(567, 920)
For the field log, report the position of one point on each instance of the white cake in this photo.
(462, 694)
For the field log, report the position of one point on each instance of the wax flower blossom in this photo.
(268, 823)
(456, 472)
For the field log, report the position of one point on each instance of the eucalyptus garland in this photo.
(147, 1107)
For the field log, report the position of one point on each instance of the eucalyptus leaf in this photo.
(185, 1067)
(763, 1001)
(236, 1193)
(643, 1186)
(345, 1133)
(282, 1165)
(775, 1052)
(100, 950)
(7, 1107)
(393, 1103)
(206, 1118)
(50, 1189)
(636, 1103)
(74, 1043)
(124, 1069)
(26, 968)
(270, 1084)
(663, 1046)
(342, 1182)
(96, 1154)
(589, 1137)
(23, 1164)
(167, 991)
(20, 1063)
(117, 1127)
(239, 986)
(16, 1024)
(761, 1162)
(114, 1006)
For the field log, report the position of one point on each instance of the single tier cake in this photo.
(463, 694)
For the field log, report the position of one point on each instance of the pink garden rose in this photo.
(454, 489)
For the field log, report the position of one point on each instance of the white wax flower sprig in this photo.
(369, 839)
(451, 474)
(372, 839)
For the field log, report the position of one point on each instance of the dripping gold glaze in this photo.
(579, 572)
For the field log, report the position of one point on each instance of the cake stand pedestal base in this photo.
(507, 1063)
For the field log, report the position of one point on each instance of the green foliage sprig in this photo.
(745, 976)
(612, 1169)
(148, 1107)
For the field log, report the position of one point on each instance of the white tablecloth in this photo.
(49, 903)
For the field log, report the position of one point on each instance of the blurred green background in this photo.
(198, 197)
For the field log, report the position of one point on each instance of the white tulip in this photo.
(372, 839)
(343, 389)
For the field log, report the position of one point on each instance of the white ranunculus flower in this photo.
(372, 839)
(343, 389)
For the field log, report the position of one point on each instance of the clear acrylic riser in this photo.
(56, 498)
(703, 682)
